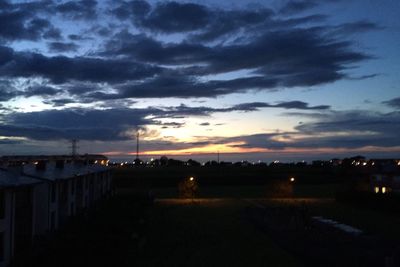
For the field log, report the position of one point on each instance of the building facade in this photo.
(36, 198)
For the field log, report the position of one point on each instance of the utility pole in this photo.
(137, 145)
(74, 147)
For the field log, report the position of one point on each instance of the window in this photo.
(72, 187)
(1, 246)
(53, 192)
(2, 204)
(53, 221)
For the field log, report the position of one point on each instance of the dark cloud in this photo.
(174, 124)
(225, 23)
(333, 129)
(40, 91)
(354, 121)
(82, 124)
(296, 6)
(84, 9)
(348, 130)
(76, 37)
(274, 50)
(188, 86)
(22, 24)
(61, 69)
(394, 103)
(64, 124)
(136, 9)
(289, 58)
(286, 105)
(10, 142)
(52, 33)
(172, 17)
(356, 27)
(59, 102)
(47, 134)
(364, 128)
(204, 124)
(7, 90)
(183, 110)
(176, 17)
(62, 47)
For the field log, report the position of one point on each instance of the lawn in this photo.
(211, 230)
(244, 191)
(206, 232)
(172, 232)
(372, 222)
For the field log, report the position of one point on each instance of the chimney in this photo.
(41, 165)
(60, 164)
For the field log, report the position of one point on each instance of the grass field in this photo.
(206, 232)
(245, 191)
(210, 230)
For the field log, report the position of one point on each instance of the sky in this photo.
(251, 80)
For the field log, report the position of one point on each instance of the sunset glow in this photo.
(250, 79)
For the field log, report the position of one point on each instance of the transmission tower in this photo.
(74, 147)
(137, 145)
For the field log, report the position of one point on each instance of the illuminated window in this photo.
(383, 190)
(376, 189)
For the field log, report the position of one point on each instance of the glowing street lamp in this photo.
(292, 179)
(191, 178)
(376, 189)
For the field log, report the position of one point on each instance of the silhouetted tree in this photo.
(192, 162)
(188, 188)
(163, 161)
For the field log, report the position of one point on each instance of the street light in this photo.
(292, 179)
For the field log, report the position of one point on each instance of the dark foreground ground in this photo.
(240, 225)
(199, 232)
(172, 232)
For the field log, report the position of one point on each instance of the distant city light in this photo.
(191, 178)
(292, 179)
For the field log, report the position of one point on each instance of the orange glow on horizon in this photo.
(209, 149)
(234, 148)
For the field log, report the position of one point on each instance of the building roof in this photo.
(32, 158)
(51, 172)
(10, 178)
